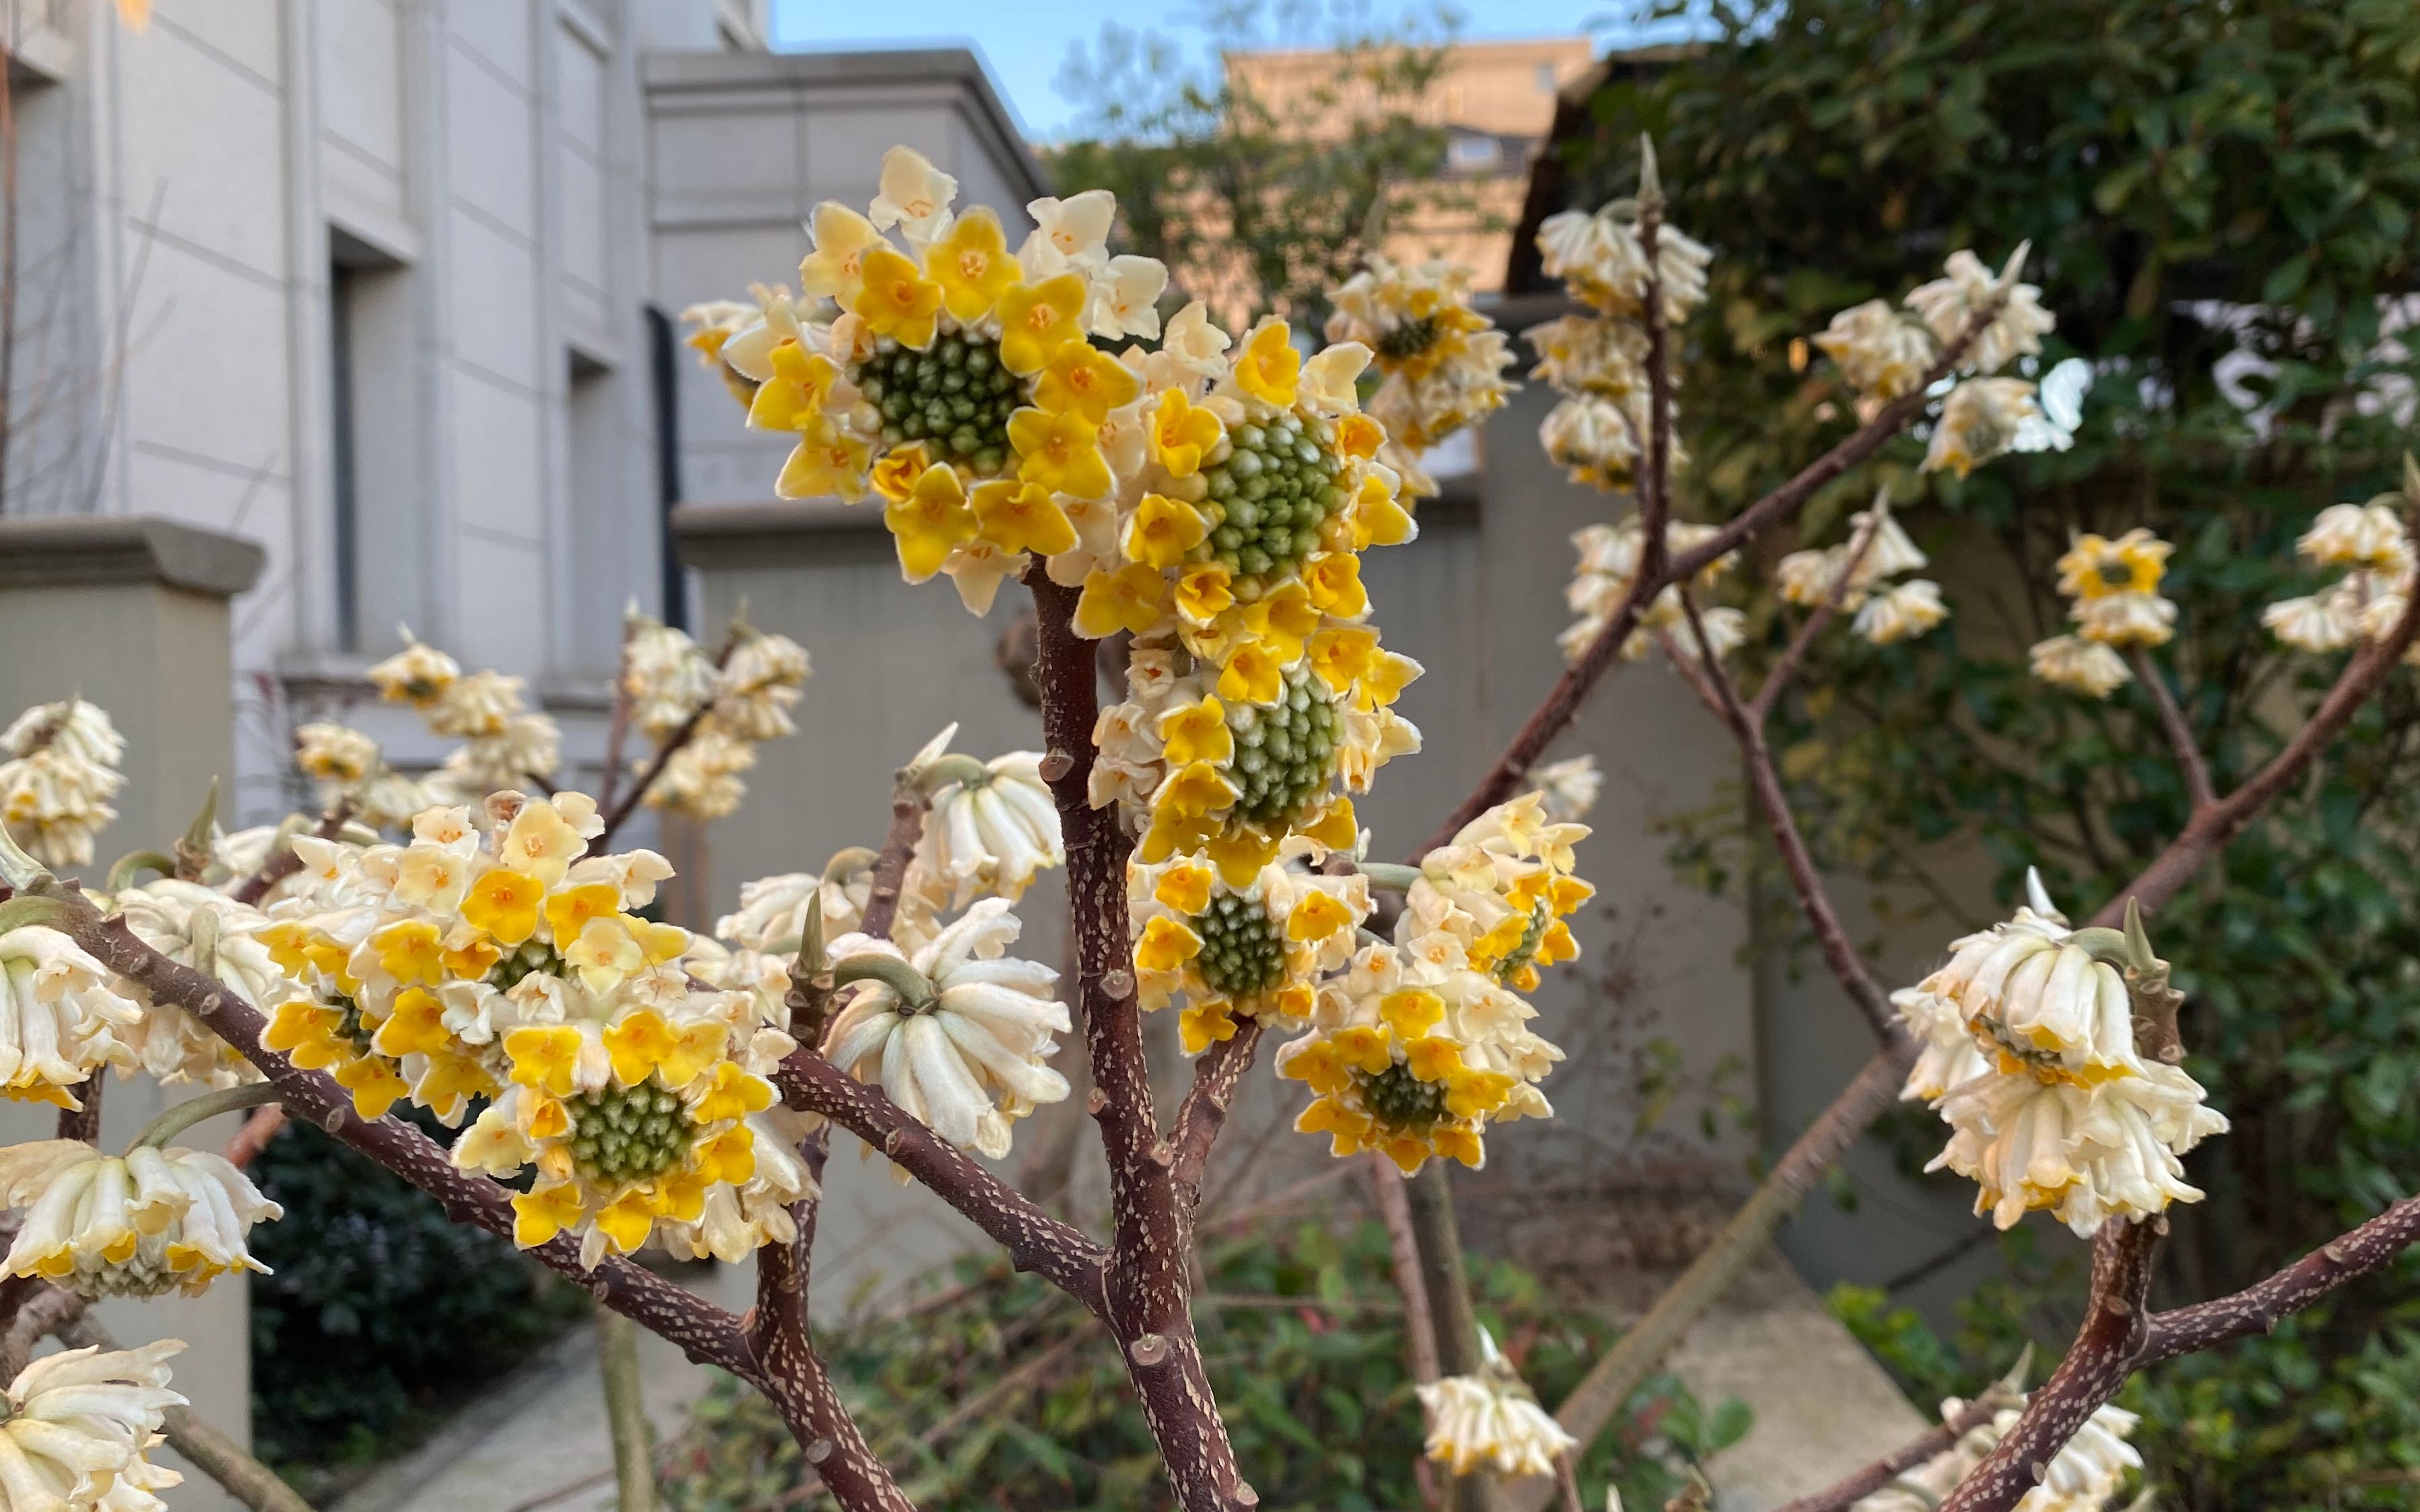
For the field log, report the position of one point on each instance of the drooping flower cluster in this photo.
(2113, 589)
(962, 1037)
(2368, 545)
(1254, 951)
(713, 711)
(1609, 564)
(958, 381)
(2030, 1057)
(1491, 1420)
(990, 827)
(1859, 571)
(504, 745)
(61, 1017)
(1425, 1039)
(493, 958)
(60, 773)
(1598, 362)
(1444, 362)
(137, 1225)
(205, 929)
(79, 1424)
(2084, 1477)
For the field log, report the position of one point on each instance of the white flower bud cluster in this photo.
(2084, 1476)
(60, 775)
(79, 1424)
(2370, 543)
(1609, 561)
(1859, 570)
(719, 713)
(505, 747)
(1492, 1420)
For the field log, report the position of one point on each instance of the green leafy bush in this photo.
(992, 1391)
(2220, 200)
(380, 1314)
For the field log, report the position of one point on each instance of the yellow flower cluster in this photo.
(504, 745)
(1255, 951)
(496, 959)
(1444, 362)
(957, 381)
(2114, 589)
(1425, 1040)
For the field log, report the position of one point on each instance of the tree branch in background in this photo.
(1860, 1484)
(626, 1412)
(2191, 764)
(1420, 1321)
(617, 814)
(618, 732)
(285, 860)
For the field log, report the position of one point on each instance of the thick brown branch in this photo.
(1146, 1284)
(891, 865)
(2258, 1308)
(1216, 1076)
(777, 1342)
(2173, 723)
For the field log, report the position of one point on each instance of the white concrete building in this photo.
(381, 284)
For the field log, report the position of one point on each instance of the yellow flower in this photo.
(1240, 854)
(1166, 945)
(1268, 368)
(637, 1045)
(894, 475)
(1283, 620)
(541, 843)
(375, 1086)
(1384, 680)
(408, 950)
(1203, 592)
(2095, 566)
(469, 953)
(1062, 453)
(541, 1214)
(1316, 1065)
(1341, 656)
(734, 1094)
(1336, 828)
(1359, 436)
(1316, 916)
(1252, 674)
(793, 398)
(1196, 733)
(729, 1156)
(826, 460)
(972, 266)
(1377, 519)
(627, 1221)
(1131, 598)
(414, 1026)
(897, 300)
(1412, 1012)
(544, 1056)
(1204, 1023)
(1038, 320)
(1162, 530)
(505, 904)
(1022, 516)
(1083, 379)
(835, 270)
(1192, 791)
(1184, 889)
(605, 954)
(1171, 832)
(933, 517)
(569, 912)
(306, 1033)
(1182, 432)
(1334, 580)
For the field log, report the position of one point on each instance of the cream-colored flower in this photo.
(335, 753)
(759, 685)
(976, 1058)
(915, 198)
(1068, 233)
(202, 928)
(2082, 666)
(991, 836)
(1980, 420)
(61, 1017)
(1569, 787)
(60, 775)
(2317, 623)
(1949, 303)
(136, 1225)
(1490, 1419)
(1882, 353)
(1125, 298)
(664, 675)
(78, 1425)
(773, 913)
(2084, 1477)
(2368, 536)
(1902, 611)
(418, 675)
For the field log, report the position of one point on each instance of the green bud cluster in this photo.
(352, 1028)
(1243, 949)
(533, 956)
(1399, 1099)
(1271, 481)
(146, 1275)
(955, 397)
(628, 1134)
(1285, 754)
(1409, 339)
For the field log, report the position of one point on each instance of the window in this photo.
(1472, 153)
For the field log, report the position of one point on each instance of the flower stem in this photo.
(133, 863)
(175, 1120)
(1389, 875)
(914, 988)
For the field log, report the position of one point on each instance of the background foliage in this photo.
(994, 1392)
(379, 1315)
(2220, 200)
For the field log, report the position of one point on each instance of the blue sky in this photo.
(1025, 42)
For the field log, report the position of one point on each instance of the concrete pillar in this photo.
(132, 615)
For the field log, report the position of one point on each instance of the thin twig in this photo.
(1760, 708)
(245, 1146)
(1218, 1073)
(2193, 768)
(287, 860)
(1420, 1321)
(1864, 1482)
(619, 730)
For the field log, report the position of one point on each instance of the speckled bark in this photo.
(800, 1388)
(1218, 1075)
(1146, 1288)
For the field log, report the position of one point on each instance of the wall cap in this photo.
(55, 551)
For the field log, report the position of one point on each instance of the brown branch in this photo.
(83, 1123)
(1655, 498)
(891, 866)
(1419, 1322)
(2256, 1308)
(1769, 691)
(2097, 1364)
(1217, 1075)
(1563, 702)
(2173, 723)
(1860, 1484)
(1146, 1285)
(777, 1343)
(287, 860)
